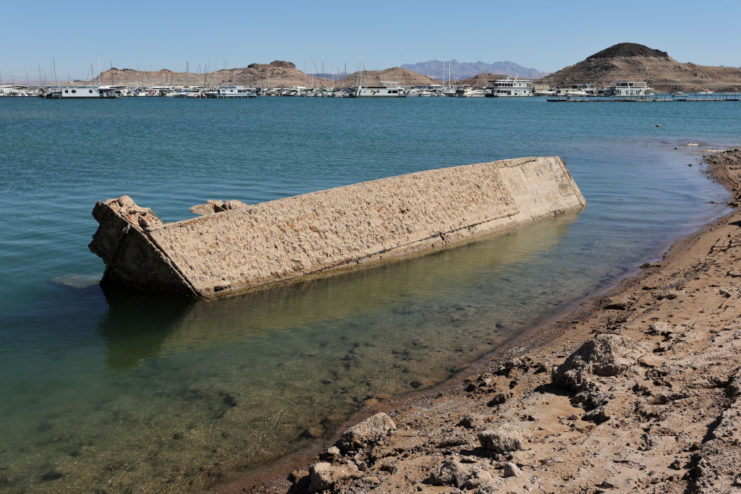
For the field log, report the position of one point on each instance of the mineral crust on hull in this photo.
(235, 247)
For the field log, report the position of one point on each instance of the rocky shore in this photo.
(637, 391)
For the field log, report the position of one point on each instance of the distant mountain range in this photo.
(438, 69)
(624, 61)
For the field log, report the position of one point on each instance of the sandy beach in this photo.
(636, 390)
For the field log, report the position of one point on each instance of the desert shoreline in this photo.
(653, 313)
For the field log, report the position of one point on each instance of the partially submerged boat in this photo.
(235, 247)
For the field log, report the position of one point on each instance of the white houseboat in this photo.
(234, 92)
(627, 88)
(509, 88)
(74, 92)
(379, 92)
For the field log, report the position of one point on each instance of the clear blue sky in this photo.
(377, 33)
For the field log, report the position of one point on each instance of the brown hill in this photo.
(480, 80)
(275, 74)
(395, 75)
(633, 62)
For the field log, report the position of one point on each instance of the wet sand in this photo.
(633, 390)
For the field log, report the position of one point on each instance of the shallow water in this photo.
(155, 396)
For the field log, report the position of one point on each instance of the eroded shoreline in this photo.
(649, 404)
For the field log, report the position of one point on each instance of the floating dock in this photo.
(235, 247)
(666, 98)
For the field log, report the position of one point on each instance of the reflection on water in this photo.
(350, 296)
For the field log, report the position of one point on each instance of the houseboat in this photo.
(627, 89)
(508, 88)
(232, 92)
(72, 92)
(379, 92)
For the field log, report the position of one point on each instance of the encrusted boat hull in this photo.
(234, 247)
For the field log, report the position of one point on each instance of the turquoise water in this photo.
(154, 396)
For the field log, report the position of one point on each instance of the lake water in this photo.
(142, 395)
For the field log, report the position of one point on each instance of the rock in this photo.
(472, 421)
(312, 432)
(511, 470)
(52, 475)
(597, 415)
(602, 355)
(659, 327)
(283, 64)
(501, 440)
(734, 385)
(590, 396)
(493, 486)
(498, 399)
(331, 455)
(324, 475)
(447, 474)
(476, 477)
(372, 430)
(451, 439)
(505, 368)
(452, 472)
(297, 475)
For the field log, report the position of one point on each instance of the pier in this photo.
(655, 98)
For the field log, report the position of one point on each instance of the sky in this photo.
(377, 34)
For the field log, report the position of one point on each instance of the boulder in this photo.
(511, 470)
(370, 431)
(503, 439)
(603, 355)
(455, 473)
(324, 475)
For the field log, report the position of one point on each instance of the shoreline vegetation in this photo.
(638, 389)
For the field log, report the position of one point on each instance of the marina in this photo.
(618, 92)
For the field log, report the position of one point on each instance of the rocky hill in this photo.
(275, 74)
(634, 62)
(395, 75)
(479, 80)
(462, 70)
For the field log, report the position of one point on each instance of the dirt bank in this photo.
(637, 391)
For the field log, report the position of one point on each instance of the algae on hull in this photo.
(236, 247)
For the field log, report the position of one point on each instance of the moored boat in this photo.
(379, 92)
(508, 88)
